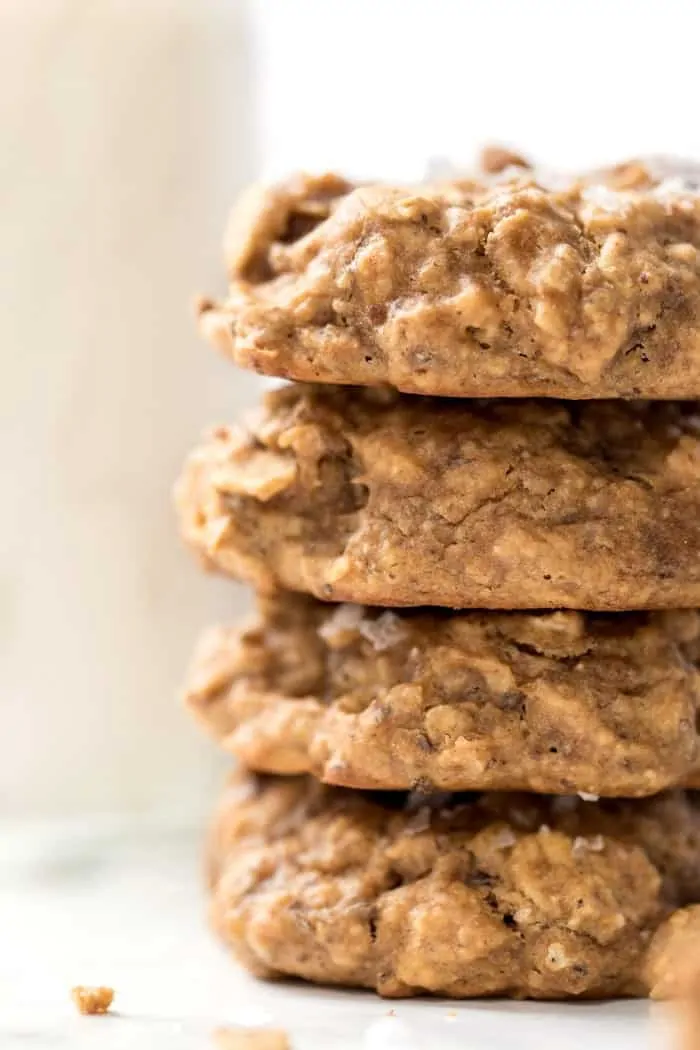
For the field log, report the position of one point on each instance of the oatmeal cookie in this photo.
(371, 497)
(673, 963)
(558, 703)
(510, 286)
(456, 895)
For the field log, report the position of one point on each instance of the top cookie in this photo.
(503, 286)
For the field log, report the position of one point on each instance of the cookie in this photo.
(454, 895)
(673, 963)
(381, 499)
(557, 703)
(517, 286)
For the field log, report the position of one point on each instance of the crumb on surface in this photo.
(92, 1000)
(251, 1039)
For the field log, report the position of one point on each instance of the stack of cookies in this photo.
(469, 704)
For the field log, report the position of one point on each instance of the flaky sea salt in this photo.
(582, 845)
(384, 632)
(587, 796)
(603, 198)
(675, 187)
(346, 620)
(504, 839)
(419, 822)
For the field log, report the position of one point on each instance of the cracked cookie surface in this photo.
(472, 288)
(376, 498)
(465, 896)
(558, 703)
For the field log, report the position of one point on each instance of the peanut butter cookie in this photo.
(459, 895)
(510, 286)
(371, 497)
(558, 703)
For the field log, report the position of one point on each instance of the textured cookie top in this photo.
(559, 702)
(454, 895)
(505, 286)
(365, 496)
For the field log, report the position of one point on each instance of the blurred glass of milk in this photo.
(126, 133)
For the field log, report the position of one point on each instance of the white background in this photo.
(379, 85)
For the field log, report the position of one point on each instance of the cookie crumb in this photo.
(251, 1039)
(92, 1000)
(495, 159)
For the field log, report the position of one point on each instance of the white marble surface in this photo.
(123, 906)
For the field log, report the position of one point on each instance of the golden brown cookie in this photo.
(463, 896)
(673, 963)
(559, 703)
(376, 498)
(490, 287)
